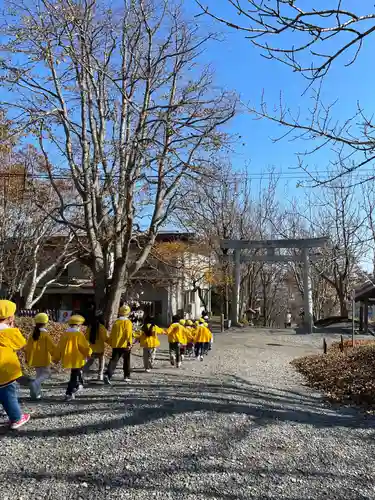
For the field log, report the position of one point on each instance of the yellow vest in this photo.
(152, 341)
(11, 340)
(190, 334)
(73, 349)
(121, 334)
(203, 334)
(176, 333)
(39, 353)
(101, 339)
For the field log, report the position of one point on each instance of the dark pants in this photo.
(199, 349)
(190, 348)
(75, 380)
(117, 354)
(174, 352)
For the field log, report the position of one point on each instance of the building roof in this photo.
(366, 291)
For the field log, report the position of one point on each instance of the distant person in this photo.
(176, 337)
(73, 350)
(40, 352)
(121, 341)
(97, 336)
(205, 314)
(288, 320)
(149, 342)
(203, 338)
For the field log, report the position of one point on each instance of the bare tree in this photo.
(299, 221)
(118, 96)
(191, 261)
(337, 214)
(310, 39)
(368, 207)
(27, 265)
(224, 209)
(215, 210)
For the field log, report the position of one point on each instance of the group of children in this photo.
(77, 351)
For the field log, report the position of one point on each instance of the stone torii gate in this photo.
(270, 245)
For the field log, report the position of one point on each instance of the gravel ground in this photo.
(240, 425)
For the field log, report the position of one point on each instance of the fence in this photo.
(30, 313)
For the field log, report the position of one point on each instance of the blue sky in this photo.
(239, 66)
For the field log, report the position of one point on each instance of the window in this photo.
(189, 297)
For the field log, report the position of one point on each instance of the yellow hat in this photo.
(124, 310)
(182, 322)
(189, 322)
(7, 309)
(76, 319)
(41, 319)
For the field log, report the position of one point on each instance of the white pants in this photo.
(43, 373)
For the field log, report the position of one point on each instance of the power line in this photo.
(234, 178)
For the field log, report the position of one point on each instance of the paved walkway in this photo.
(238, 426)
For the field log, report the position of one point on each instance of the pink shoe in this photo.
(22, 421)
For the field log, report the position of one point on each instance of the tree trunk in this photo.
(343, 305)
(100, 290)
(29, 300)
(115, 291)
(201, 297)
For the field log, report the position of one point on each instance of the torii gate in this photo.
(270, 245)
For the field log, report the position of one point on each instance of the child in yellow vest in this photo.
(72, 350)
(183, 339)
(40, 351)
(176, 336)
(190, 335)
(97, 336)
(202, 339)
(11, 340)
(149, 342)
(121, 341)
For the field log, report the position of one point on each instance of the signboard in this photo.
(64, 315)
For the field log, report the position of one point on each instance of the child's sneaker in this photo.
(69, 397)
(179, 365)
(106, 380)
(101, 377)
(22, 421)
(80, 388)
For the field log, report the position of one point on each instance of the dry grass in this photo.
(335, 346)
(344, 377)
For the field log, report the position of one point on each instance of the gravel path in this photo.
(238, 426)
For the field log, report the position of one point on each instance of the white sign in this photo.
(64, 315)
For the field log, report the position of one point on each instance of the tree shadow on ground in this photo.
(212, 460)
(145, 403)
